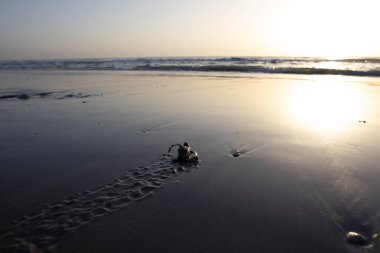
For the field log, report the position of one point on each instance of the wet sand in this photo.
(288, 164)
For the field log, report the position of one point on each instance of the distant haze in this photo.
(55, 29)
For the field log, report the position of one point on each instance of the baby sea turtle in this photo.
(185, 153)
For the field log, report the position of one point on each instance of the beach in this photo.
(288, 163)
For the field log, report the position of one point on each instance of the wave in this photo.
(271, 65)
(361, 60)
(260, 69)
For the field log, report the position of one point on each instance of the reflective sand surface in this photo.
(306, 172)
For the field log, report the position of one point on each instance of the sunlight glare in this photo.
(328, 29)
(327, 105)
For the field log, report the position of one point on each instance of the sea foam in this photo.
(271, 65)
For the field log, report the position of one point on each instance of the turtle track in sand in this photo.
(40, 232)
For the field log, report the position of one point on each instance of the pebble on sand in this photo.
(356, 238)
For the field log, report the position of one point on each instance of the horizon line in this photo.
(174, 57)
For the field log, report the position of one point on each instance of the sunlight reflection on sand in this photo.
(328, 105)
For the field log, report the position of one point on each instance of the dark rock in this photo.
(23, 96)
(7, 96)
(44, 94)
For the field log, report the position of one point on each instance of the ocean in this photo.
(369, 67)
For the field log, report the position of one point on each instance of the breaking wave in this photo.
(305, 66)
(260, 69)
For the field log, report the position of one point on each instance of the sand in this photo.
(288, 163)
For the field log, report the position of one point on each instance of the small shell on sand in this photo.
(356, 238)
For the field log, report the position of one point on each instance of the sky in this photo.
(56, 29)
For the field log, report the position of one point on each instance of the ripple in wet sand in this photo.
(32, 94)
